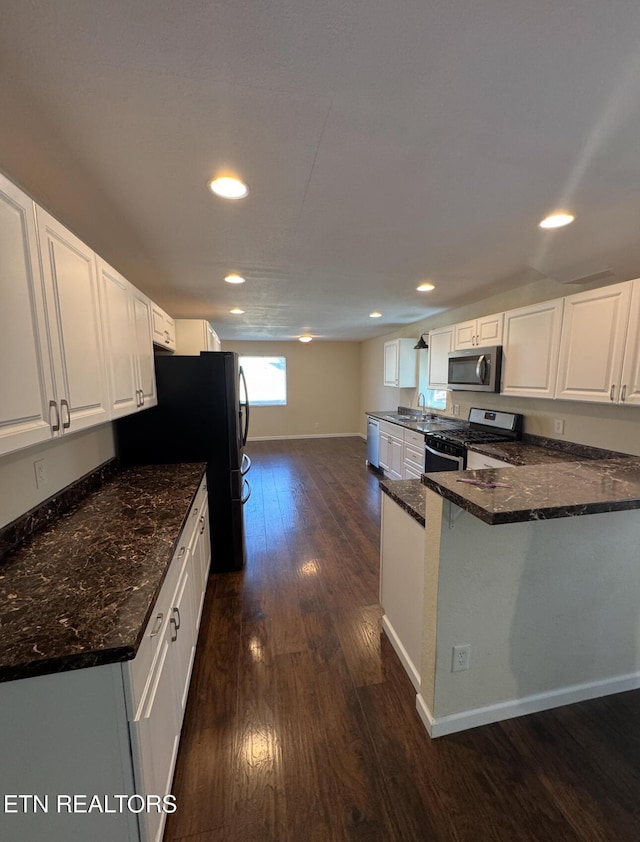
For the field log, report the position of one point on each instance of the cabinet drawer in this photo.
(414, 439)
(414, 456)
(137, 673)
(478, 461)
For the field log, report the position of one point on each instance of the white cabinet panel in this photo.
(482, 332)
(531, 344)
(476, 461)
(440, 344)
(400, 363)
(26, 382)
(593, 341)
(630, 392)
(71, 285)
(144, 345)
(163, 328)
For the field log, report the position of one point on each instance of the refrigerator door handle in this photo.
(244, 405)
(246, 496)
(245, 461)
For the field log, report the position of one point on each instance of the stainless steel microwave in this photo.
(475, 370)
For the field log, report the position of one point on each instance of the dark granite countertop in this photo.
(409, 494)
(542, 491)
(79, 593)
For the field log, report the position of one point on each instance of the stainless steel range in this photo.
(446, 450)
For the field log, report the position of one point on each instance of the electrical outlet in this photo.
(40, 468)
(456, 409)
(558, 426)
(460, 657)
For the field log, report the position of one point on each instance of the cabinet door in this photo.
(26, 383)
(592, 347)
(489, 330)
(440, 344)
(630, 392)
(396, 447)
(464, 335)
(391, 361)
(183, 640)
(71, 286)
(384, 453)
(530, 349)
(155, 737)
(144, 345)
(119, 337)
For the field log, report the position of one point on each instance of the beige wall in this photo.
(66, 459)
(598, 425)
(323, 389)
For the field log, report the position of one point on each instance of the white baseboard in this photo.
(438, 726)
(307, 436)
(401, 652)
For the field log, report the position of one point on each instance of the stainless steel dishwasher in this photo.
(373, 442)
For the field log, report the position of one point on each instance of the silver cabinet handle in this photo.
(157, 626)
(167, 340)
(173, 623)
(203, 524)
(177, 612)
(65, 424)
(623, 393)
(54, 427)
(612, 392)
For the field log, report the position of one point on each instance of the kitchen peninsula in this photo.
(534, 571)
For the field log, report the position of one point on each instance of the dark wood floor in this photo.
(301, 724)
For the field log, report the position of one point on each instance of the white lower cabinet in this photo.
(391, 450)
(110, 730)
(413, 455)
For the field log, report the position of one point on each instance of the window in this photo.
(266, 380)
(434, 398)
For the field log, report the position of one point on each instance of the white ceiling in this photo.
(384, 142)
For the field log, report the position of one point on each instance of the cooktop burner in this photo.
(483, 426)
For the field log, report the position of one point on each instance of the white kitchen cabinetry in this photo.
(391, 450)
(440, 344)
(400, 363)
(478, 461)
(531, 343)
(483, 332)
(144, 344)
(73, 307)
(116, 300)
(26, 382)
(592, 349)
(163, 328)
(413, 455)
(195, 335)
(630, 391)
(108, 730)
(402, 584)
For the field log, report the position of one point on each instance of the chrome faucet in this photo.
(422, 405)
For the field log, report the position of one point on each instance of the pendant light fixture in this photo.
(421, 344)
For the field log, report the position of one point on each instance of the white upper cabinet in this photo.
(163, 328)
(116, 300)
(479, 333)
(400, 363)
(630, 392)
(144, 345)
(126, 320)
(531, 343)
(594, 332)
(26, 383)
(73, 307)
(440, 344)
(195, 335)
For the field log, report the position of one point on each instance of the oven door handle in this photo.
(481, 368)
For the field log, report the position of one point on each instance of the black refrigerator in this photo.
(202, 416)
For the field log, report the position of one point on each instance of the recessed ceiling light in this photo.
(375, 315)
(236, 311)
(305, 338)
(425, 287)
(557, 220)
(228, 188)
(234, 279)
